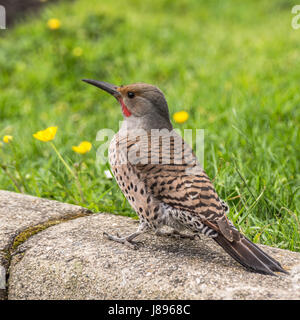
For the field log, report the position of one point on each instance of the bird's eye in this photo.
(130, 94)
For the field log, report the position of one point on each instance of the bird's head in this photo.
(139, 101)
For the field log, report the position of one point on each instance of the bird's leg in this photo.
(175, 234)
(128, 240)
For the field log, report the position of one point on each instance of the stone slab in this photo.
(73, 260)
(19, 212)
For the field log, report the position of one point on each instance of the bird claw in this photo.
(124, 240)
(132, 244)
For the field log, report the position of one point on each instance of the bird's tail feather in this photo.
(249, 255)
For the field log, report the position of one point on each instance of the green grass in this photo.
(233, 65)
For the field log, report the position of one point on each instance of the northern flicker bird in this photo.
(163, 181)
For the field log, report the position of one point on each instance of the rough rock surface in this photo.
(73, 260)
(19, 212)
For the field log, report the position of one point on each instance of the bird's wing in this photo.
(178, 180)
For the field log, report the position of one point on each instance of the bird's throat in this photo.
(125, 110)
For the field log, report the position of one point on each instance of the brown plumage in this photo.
(161, 178)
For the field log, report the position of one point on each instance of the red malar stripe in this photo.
(125, 111)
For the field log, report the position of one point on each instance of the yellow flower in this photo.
(180, 116)
(7, 139)
(53, 24)
(46, 135)
(83, 147)
(77, 52)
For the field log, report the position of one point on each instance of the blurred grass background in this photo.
(232, 65)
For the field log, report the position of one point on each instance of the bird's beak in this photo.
(110, 88)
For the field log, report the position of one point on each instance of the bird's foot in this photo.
(124, 240)
(176, 234)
